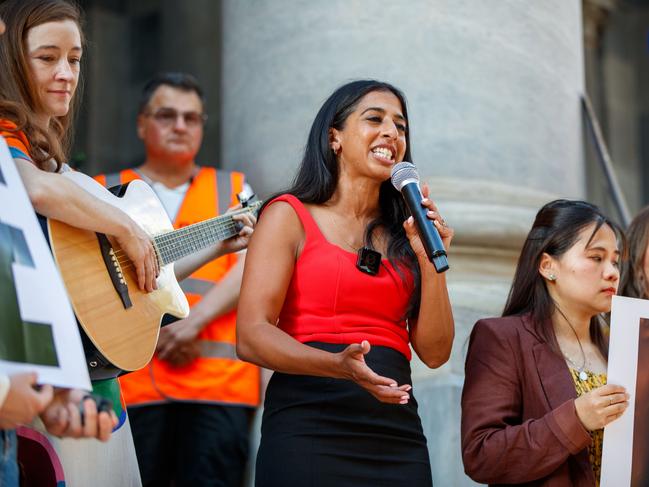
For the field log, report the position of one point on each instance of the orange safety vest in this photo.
(217, 376)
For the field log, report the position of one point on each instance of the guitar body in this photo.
(124, 338)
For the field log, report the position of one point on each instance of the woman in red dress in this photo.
(340, 408)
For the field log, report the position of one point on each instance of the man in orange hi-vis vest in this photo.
(190, 409)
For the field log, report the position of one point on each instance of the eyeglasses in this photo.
(167, 117)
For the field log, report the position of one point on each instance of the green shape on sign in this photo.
(20, 341)
(11, 337)
(39, 344)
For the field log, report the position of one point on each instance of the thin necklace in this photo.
(368, 260)
(583, 376)
(354, 247)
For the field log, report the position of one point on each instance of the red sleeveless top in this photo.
(329, 300)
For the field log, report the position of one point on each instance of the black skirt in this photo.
(319, 431)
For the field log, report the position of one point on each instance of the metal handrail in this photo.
(605, 160)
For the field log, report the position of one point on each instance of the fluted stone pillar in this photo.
(493, 89)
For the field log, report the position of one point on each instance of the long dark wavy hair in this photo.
(554, 232)
(633, 282)
(19, 99)
(317, 176)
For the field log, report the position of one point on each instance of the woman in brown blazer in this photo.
(535, 397)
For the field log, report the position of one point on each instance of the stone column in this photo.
(493, 90)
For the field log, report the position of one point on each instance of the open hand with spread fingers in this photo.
(353, 367)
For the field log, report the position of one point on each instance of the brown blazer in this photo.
(519, 424)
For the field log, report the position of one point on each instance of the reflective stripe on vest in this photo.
(224, 191)
(113, 180)
(217, 376)
(218, 350)
(196, 286)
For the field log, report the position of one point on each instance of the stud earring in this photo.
(552, 277)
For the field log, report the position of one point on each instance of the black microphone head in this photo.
(402, 173)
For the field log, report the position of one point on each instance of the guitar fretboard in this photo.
(180, 243)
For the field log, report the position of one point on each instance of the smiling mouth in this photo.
(383, 153)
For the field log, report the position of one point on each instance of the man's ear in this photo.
(547, 267)
(140, 126)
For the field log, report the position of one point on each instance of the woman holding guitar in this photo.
(41, 55)
(20, 401)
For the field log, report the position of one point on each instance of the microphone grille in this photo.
(402, 172)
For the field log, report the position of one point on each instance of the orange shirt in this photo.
(16, 140)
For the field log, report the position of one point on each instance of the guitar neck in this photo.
(180, 243)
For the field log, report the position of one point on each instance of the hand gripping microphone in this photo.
(406, 180)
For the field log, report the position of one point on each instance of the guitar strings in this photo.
(174, 243)
(180, 243)
(191, 231)
(171, 238)
(195, 235)
(168, 239)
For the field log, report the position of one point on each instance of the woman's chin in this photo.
(59, 110)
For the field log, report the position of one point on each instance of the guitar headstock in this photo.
(254, 207)
(250, 202)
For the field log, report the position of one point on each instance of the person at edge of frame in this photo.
(535, 398)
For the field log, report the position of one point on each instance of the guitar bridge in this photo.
(114, 270)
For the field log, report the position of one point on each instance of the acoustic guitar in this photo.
(121, 323)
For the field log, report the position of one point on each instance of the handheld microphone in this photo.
(406, 180)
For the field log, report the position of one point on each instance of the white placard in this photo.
(44, 309)
(617, 456)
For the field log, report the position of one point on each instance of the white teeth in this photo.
(382, 151)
